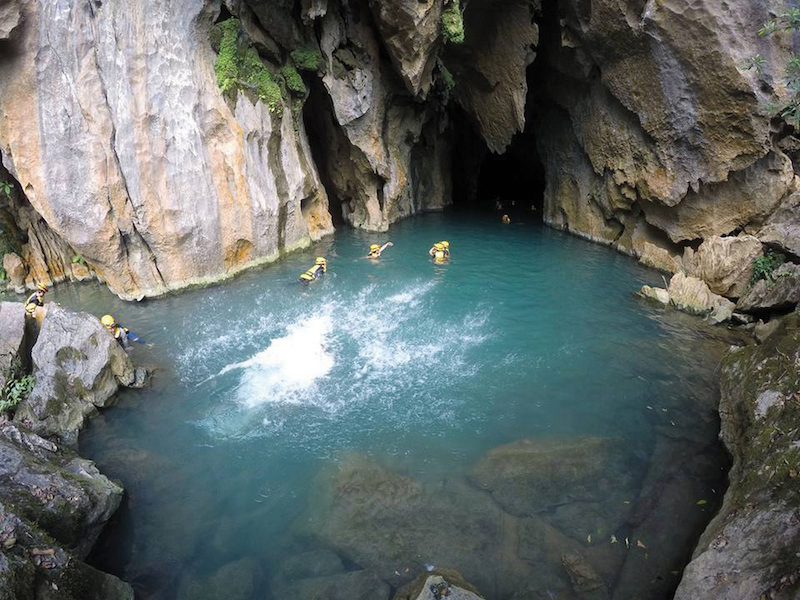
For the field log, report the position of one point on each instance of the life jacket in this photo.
(33, 302)
(313, 272)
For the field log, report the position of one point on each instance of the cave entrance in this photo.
(512, 182)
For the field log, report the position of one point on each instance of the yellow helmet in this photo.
(42, 288)
(374, 247)
(445, 244)
(107, 320)
(438, 246)
(321, 260)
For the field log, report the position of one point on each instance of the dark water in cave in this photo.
(352, 415)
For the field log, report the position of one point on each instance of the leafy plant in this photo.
(6, 188)
(77, 258)
(3, 274)
(453, 23)
(755, 62)
(294, 82)
(307, 58)
(764, 267)
(789, 108)
(17, 388)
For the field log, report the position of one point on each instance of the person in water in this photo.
(35, 300)
(120, 333)
(440, 251)
(320, 267)
(375, 250)
(506, 220)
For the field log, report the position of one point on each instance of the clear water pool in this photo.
(268, 390)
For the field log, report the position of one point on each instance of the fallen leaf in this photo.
(627, 543)
(640, 544)
(702, 502)
(793, 473)
(589, 538)
(613, 539)
(649, 408)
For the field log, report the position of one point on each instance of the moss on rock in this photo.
(294, 82)
(307, 58)
(453, 23)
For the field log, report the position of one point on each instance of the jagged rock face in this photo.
(64, 494)
(12, 337)
(114, 126)
(725, 264)
(645, 114)
(387, 155)
(33, 567)
(781, 292)
(751, 548)
(490, 68)
(78, 367)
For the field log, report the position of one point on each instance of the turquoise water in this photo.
(262, 383)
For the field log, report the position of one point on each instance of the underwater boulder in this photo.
(435, 584)
(355, 585)
(233, 581)
(78, 367)
(393, 525)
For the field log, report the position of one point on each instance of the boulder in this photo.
(10, 18)
(437, 584)
(233, 581)
(581, 574)
(64, 494)
(12, 337)
(660, 295)
(78, 367)
(389, 523)
(16, 270)
(783, 226)
(751, 548)
(782, 292)
(693, 295)
(724, 263)
(355, 585)
(32, 566)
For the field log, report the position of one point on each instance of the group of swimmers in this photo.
(440, 252)
(35, 302)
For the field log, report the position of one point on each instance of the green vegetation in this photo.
(447, 77)
(453, 23)
(764, 266)
(238, 66)
(18, 387)
(79, 260)
(294, 83)
(789, 108)
(307, 58)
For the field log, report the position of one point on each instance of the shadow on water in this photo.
(517, 414)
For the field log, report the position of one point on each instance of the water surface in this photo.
(263, 383)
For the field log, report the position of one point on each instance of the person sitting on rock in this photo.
(120, 333)
(320, 267)
(375, 250)
(35, 300)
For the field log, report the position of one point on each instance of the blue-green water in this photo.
(262, 381)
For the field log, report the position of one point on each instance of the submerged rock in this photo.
(583, 577)
(355, 585)
(438, 584)
(392, 525)
(752, 547)
(234, 581)
(782, 292)
(78, 367)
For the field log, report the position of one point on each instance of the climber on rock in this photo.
(375, 250)
(320, 267)
(35, 300)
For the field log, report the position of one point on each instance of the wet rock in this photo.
(16, 270)
(12, 336)
(438, 584)
(391, 525)
(581, 574)
(65, 495)
(78, 367)
(751, 548)
(780, 293)
(32, 566)
(234, 581)
(658, 294)
(356, 585)
(724, 263)
(693, 295)
(315, 563)
(10, 18)
(763, 330)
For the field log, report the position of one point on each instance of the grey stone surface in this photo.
(78, 366)
(781, 292)
(12, 336)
